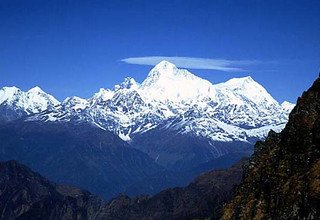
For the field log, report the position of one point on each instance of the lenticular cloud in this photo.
(194, 62)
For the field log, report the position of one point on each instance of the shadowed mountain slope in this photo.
(282, 180)
(80, 154)
(203, 198)
(25, 194)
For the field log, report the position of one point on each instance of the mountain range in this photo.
(169, 99)
(279, 181)
(241, 108)
(139, 137)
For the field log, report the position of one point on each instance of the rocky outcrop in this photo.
(282, 179)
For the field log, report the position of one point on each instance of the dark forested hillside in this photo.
(201, 199)
(80, 154)
(25, 194)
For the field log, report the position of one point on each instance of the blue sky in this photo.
(74, 47)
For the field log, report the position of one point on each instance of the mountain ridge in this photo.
(26, 194)
(165, 110)
(174, 102)
(15, 103)
(282, 179)
(78, 154)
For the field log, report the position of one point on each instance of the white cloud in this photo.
(194, 62)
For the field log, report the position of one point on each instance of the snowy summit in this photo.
(169, 98)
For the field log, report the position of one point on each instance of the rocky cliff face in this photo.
(282, 180)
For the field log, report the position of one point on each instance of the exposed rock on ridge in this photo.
(282, 180)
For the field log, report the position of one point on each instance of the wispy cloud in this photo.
(194, 63)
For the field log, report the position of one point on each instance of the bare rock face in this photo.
(282, 180)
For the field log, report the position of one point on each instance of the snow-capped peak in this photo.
(103, 95)
(10, 88)
(287, 106)
(36, 100)
(166, 82)
(238, 82)
(73, 99)
(37, 95)
(165, 66)
(166, 71)
(248, 88)
(128, 83)
(175, 98)
(36, 89)
(75, 103)
(8, 93)
(33, 101)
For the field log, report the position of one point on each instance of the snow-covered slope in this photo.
(237, 110)
(33, 101)
(166, 82)
(287, 106)
(245, 103)
(245, 88)
(15, 103)
(37, 100)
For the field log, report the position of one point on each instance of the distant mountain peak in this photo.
(20, 103)
(75, 102)
(103, 94)
(165, 65)
(249, 88)
(166, 82)
(72, 99)
(162, 70)
(36, 89)
(238, 82)
(246, 79)
(242, 83)
(103, 90)
(166, 70)
(286, 103)
(10, 88)
(168, 93)
(128, 83)
(287, 106)
(8, 93)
